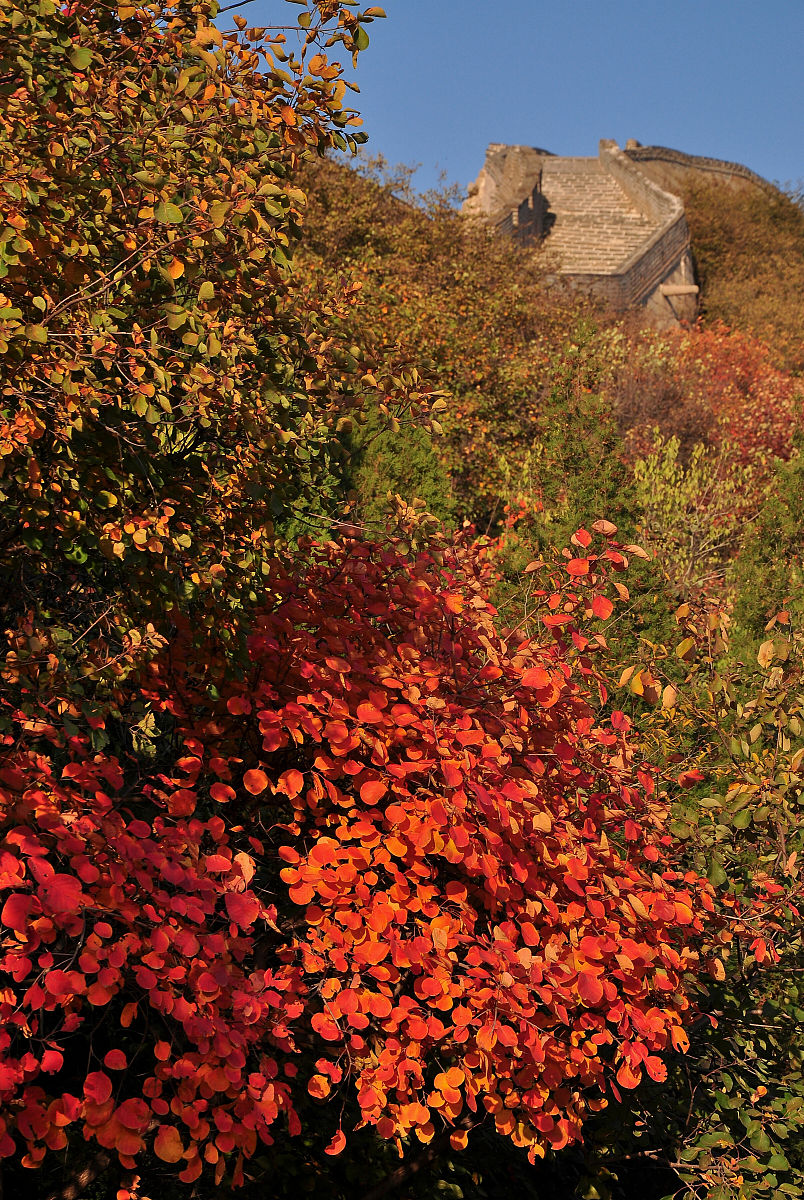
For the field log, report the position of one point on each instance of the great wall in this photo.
(613, 225)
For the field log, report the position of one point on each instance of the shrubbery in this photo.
(376, 812)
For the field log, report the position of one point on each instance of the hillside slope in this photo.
(748, 247)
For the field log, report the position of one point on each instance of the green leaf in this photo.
(81, 57)
(168, 214)
(206, 291)
(717, 875)
(36, 333)
(146, 179)
(361, 38)
(218, 211)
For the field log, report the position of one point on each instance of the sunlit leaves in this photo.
(440, 879)
(152, 330)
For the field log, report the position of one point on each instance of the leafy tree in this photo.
(169, 390)
(471, 309)
(693, 514)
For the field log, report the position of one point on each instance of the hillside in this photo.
(748, 247)
(477, 312)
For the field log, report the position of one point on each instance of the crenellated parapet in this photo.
(606, 224)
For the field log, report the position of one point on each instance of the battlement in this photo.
(613, 225)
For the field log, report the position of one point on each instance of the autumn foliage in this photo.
(403, 856)
(321, 846)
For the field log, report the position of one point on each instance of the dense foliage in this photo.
(375, 813)
(749, 255)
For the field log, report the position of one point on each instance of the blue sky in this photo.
(442, 78)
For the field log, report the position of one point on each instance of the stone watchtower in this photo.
(605, 226)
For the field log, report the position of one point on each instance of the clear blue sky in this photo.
(442, 78)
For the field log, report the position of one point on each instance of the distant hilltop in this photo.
(613, 225)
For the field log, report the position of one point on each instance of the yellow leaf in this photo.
(684, 649)
(765, 653)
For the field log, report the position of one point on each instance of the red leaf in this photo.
(62, 894)
(52, 1061)
(97, 1087)
(58, 983)
(242, 907)
(590, 988)
(16, 911)
(369, 714)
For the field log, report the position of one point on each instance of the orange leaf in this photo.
(578, 566)
(368, 713)
(337, 1144)
(222, 793)
(602, 607)
(182, 803)
(656, 1068)
(373, 791)
(628, 1078)
(167, 1144)
(536, 677)
(255, 781)
(291, 783)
